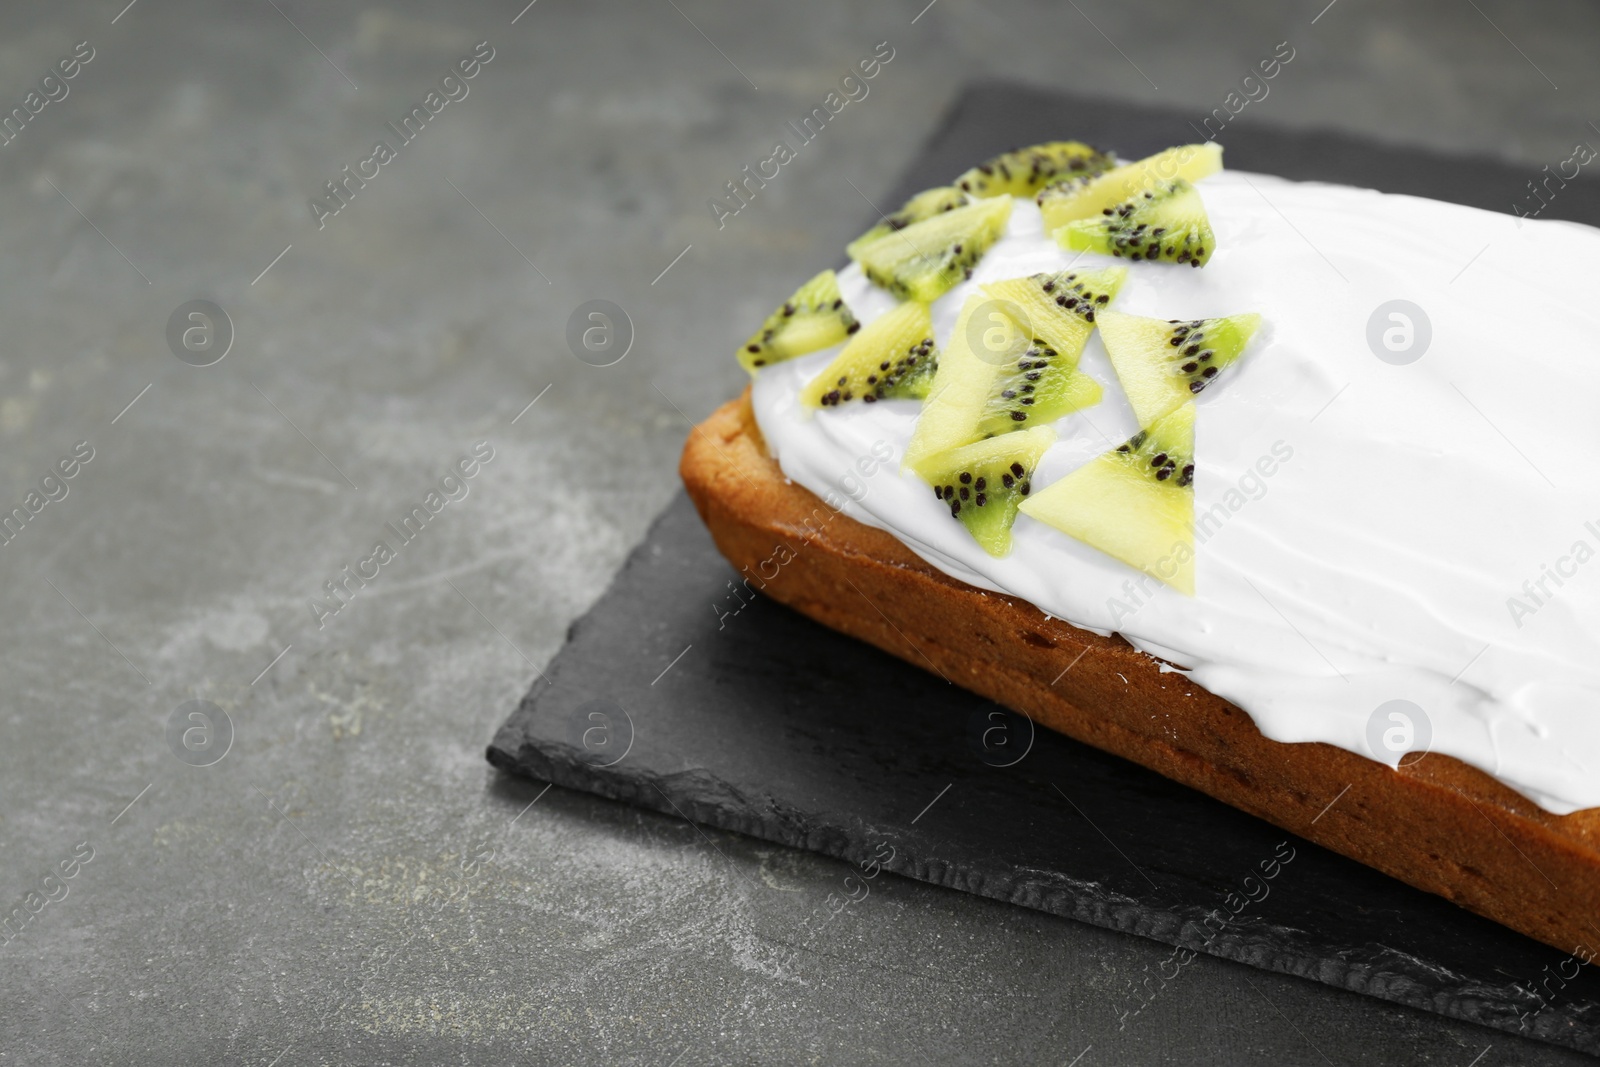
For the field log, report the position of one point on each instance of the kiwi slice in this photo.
(924, 205)
(1166, 223)
(984, 483)
(1083, 198)
(926, 259)
(1135, 502)
(893, 356)
(1162, 363)
(814, 317)
(1061, 308)
(1024, 171)
(1039, 386)
(1015, 381)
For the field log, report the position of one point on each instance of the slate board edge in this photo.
(565, 767)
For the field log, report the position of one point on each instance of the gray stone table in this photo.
(350, 882)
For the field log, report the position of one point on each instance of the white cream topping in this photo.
(1368, 532)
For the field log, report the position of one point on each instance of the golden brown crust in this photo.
(1439, 824)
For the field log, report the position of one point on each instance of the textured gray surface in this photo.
(351, 882)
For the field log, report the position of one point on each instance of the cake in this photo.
(1337, 582)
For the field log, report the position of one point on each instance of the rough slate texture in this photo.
(773, 726)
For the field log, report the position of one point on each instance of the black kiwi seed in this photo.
(1189, 368)
(981, 500)
(1016, 468)
(981, 484)
(1007, 481)
(966, 478)
(1008, 394)
(1209, 372)
(761, 363)
(752, 348)
(955, 507)
(965, 492)
(853, 327)
(1019, 416)
(1024, 488)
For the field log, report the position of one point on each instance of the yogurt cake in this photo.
(1284, 518)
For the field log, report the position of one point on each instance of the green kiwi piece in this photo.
(1167, 224)
(1042, 385)
(1162, 363)
(892, 357)
(1085, 197)
(984, 483)
(815, 317)
(924, 205)
(927, 259)
(1014, 382)
(1060, 308)
(1135, 502)
(1024, 171)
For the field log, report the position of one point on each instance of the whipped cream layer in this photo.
(1367, 532)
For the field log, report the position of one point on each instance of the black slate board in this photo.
(671, 695)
